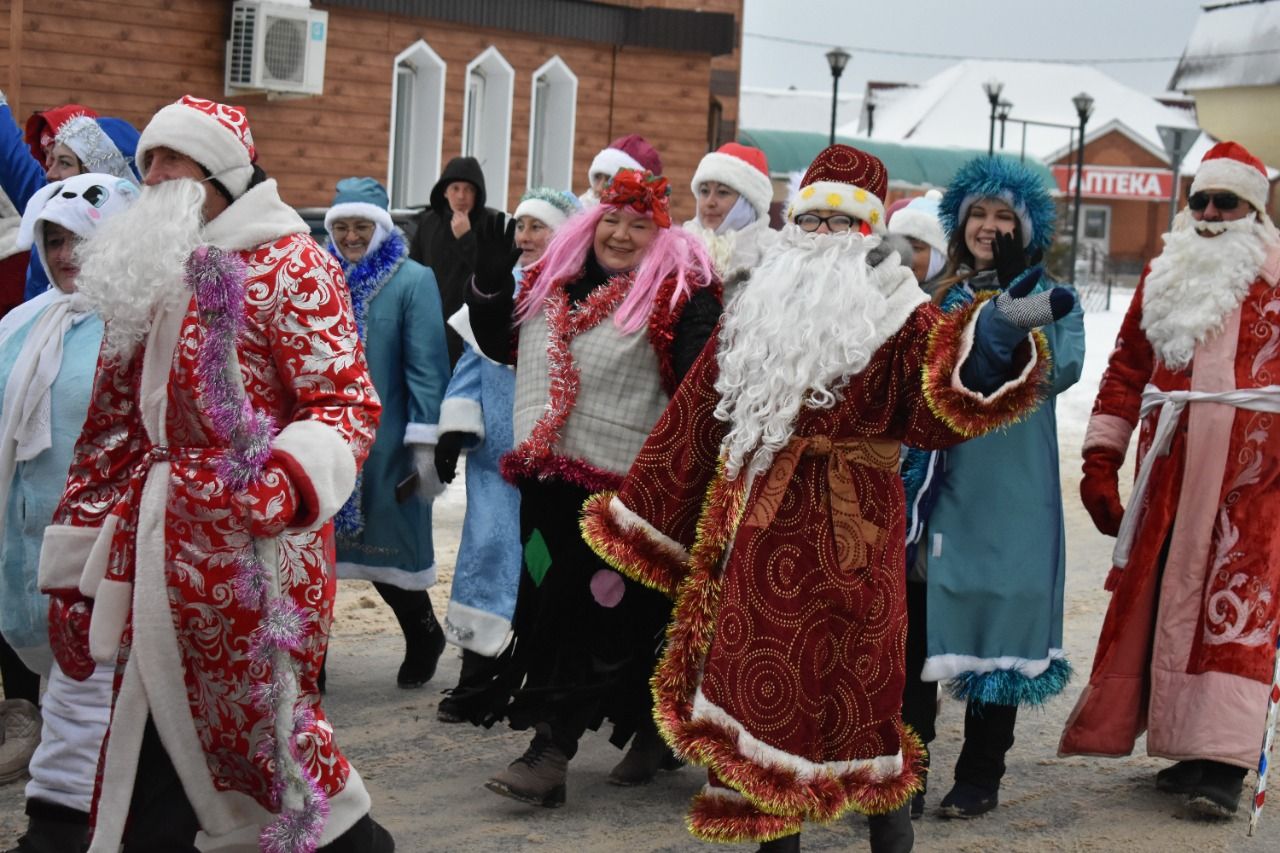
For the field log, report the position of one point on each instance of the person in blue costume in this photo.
(476, 417)
(48, 355)
(384, 532)
(990, 620)
(58, 143)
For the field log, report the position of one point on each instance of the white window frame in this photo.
(421, 161)
(561, 91)
(493, 128)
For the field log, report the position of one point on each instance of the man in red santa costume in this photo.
(1186, 648)
(767, 503)
(192, 547)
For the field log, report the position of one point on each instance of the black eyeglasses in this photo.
(1223, 201)
(837, 223)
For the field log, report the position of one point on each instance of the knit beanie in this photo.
(216, 136)
(360, 198)
(549, 206)
(918, 219)
(741, 167)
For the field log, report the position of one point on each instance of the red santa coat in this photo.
(145, 502)
(1186, 653)
(784, 665)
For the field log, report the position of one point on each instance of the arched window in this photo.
(417, 125)
(486, 121)
(553, 108)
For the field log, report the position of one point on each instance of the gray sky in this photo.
(991, 29)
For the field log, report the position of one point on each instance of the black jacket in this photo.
(453, 259)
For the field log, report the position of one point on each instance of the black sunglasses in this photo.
(1223, 201)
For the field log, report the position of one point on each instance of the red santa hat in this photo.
(215, 135)
(1230, 166)
(741, 167)
(847, 180)
(632, 151)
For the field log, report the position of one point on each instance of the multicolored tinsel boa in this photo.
(217, 277)
(1006, 687)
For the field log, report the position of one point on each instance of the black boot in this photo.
(988, 736)
(892, 832)
(53, 829)
(647, 754)
(1180, 778)
(1217, 793)
(365, 836)
(785, 844)
(917, 800)
(423, 637)
(474, 694)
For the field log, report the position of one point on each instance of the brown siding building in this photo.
(667, 69)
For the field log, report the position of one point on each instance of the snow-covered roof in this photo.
(951, 110)
(795, 109)
(1232, 45)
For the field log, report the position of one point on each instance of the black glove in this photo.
(496, 255)
(1010, 260)
(448, 448)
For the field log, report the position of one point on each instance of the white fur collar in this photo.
(257, 217)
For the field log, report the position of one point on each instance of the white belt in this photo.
(1171, 404)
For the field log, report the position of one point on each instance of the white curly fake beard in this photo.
(1197, 281)
(135, 261)
(805, 321)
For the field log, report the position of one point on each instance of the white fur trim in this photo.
(111, 608)
(610, 160)
(1110, 432)
(348, 806)
(95, 567)
(845, 198)
(400, 578)
(625, 517)
(321, 452)
(257, 217)
(120, 761)
(966, 347)
(462, 414)
(63, 554)
(709, 790)
(543, 211)
(881, 767)
(358, 210)
(921, 226)
(421, 433)
(204, 139)
(476, 630)
(942, 667)
(1223, 173)
(750, 182)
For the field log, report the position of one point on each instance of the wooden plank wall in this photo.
(130, 57)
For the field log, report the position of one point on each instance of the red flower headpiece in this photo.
(643, 192)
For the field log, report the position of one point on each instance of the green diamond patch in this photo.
(537, 559)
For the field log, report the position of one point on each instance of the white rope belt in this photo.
(1171, 404)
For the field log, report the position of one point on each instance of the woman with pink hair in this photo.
(606, 325)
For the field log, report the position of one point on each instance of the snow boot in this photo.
(785, 844)
(52, 828)
(365, 836)
(1180, 778)
(537, 777)
(424, 643)
(647, 754)
(966, 800)
(1217, 793)
(475, 692)
(891, 832)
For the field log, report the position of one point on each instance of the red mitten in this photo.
(69, 614)
(1100, 489)
(273, 501)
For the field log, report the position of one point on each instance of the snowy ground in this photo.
(426, 778)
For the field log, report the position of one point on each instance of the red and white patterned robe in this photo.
(785, 660)
(143, 501)
(1186, 652)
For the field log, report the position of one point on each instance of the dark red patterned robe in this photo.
(784, 665)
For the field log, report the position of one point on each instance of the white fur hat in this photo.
(919, 220)
(741, 167)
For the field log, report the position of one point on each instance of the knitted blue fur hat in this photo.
(1008, 181)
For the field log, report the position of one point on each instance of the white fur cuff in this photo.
(63, 555)
(322, 455)
(461, 414)
(421, 433)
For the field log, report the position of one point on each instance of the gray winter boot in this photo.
(537, 777)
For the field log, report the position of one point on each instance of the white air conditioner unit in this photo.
(274, 48)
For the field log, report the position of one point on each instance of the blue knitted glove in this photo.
(1003, 324)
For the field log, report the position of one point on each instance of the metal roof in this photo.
(688, 31)
(913, 165)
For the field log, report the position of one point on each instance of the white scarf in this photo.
(26, 428)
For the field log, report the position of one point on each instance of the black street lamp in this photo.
(837, 58)
(1002, 112)
(1084, 108)
(993, 88)
(871, 113)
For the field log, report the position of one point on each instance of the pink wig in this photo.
(673, 252)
